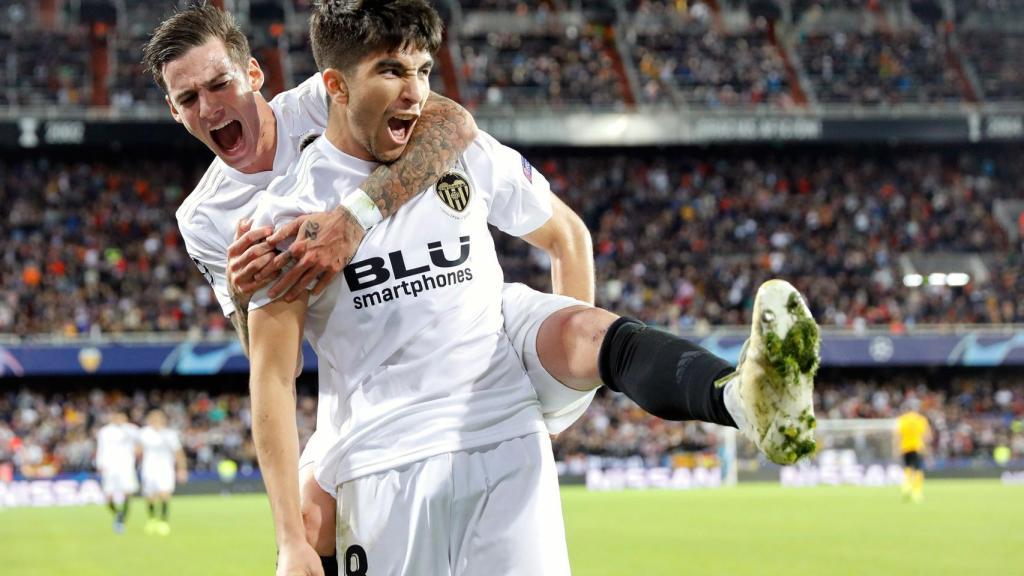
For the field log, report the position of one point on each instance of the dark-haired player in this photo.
(436, 428)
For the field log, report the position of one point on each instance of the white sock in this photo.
(734, 404)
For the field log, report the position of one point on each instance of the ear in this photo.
(174, 111)
(256, 77)
(337, 87)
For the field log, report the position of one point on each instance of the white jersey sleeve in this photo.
(212, 261)
(521, 201)
(288, 197)
(292, 195)
(304, 106)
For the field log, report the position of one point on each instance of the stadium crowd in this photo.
(47, 434)
(879, 69)
(996, 8)
(91, 248)
(40, 69)
(572, 68)
(717, 225)
(677, 52)
(682, 237)
(998, 68)
(711, 69)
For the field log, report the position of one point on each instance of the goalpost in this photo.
(870, 438)
(860, 452)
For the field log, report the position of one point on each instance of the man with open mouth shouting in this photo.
(201, 59)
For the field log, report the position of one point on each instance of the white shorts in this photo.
(492, 511)
(155, 483)
(119, 483)
(525, 309)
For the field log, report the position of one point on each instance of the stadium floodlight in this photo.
(937, 279)
(957, 279)
(913, 280)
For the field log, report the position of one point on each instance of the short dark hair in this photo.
(193, 26)
(344, 32)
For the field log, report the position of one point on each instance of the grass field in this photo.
(963, 528)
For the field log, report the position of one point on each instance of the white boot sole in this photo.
(776, 374)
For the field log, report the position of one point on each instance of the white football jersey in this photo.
(208, 217)
(115, 447)
(159, 448)
(412, 330)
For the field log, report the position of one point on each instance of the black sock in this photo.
(163, 510)
(124, 511)
(330, 564)
(665, 375)
(113, 508)
(151, 508)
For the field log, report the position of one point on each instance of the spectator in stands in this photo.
(87, 249)
(47, 434)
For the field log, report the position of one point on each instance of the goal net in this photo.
(858, 452)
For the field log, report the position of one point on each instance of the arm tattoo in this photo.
(240, 320)
(443, 132)
(312, 229)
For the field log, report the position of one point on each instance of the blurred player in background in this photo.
(913, 434)
(163, 462)
(117, 445)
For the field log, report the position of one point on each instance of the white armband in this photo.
(363, 208)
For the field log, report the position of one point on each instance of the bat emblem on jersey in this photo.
(454, 191)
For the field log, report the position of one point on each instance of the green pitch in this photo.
(962, 528)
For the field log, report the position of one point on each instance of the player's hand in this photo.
(298, 559)
(324, 244)
(182, 476)
(248, 255)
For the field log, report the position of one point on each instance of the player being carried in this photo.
(163, 463)
(429, 407)
(117, 444)
(212, 86)
(201, 59)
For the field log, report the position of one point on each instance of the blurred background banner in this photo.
(544, 128)
(157, 354)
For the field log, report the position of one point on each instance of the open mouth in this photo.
(228, 137)
(400, 127)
